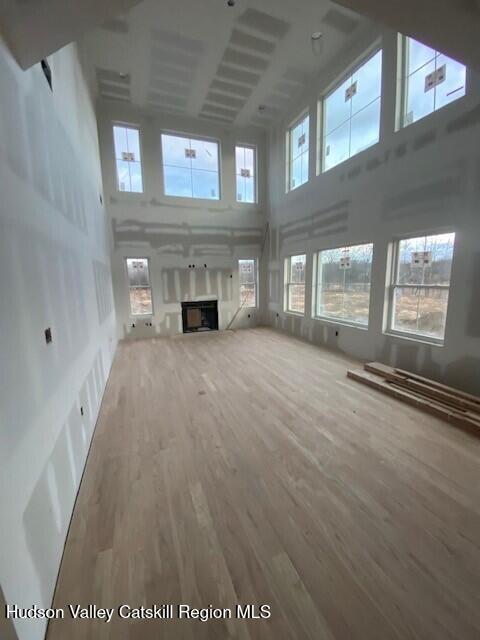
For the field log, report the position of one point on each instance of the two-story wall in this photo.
(421, 179)
(193, 245)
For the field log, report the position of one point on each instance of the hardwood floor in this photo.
(246, 468)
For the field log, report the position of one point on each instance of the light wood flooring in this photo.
(245, 467)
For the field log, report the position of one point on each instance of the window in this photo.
(421, 282)
(190, 167)
(128, 159)
(247, 283)
(295, 283)
(343, 283)
(351, 114)
(297, 144)
(430, 80)
(139, 288)
(245, 170)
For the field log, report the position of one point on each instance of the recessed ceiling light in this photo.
(316, 35)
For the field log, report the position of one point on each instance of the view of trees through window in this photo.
(421, 285)
(296, 283)
(190, 167)
(343, 283)
(128, 159)
(351, 113)
(432, 80)
(247, 283)
(140, 291)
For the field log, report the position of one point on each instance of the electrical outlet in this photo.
(81, 411)
(48, 335)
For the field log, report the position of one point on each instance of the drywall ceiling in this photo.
(34, 29)
(206, 59)
(450, 26)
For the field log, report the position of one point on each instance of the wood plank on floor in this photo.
(244, 467)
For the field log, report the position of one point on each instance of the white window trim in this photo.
(254, 147)
(329, 319)
(136, 127)
(191, 136)
(350, 70)
(139, 315)
(287, 269)
(288, 142)
(392, 273)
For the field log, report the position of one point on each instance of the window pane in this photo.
(296, 140)
(422, 311)
(138, 275)
(247, 295)
(249, 190)
(206, 155)
(177, 182)
(141, 301)
(241, 191)
(250, 160)
(296, 298)
(239, 159)
(246, 271)
(120, 141)
(365, 128)
(418, 55)
(454, 84)
(337, 109)
(337, 146)
(133, 141)
(173, 151)
(136, 183)
(123, 175)
(369, 83)
(205, 184)
(296, 176)
(297, 268)
(419, 103)
(426, 260)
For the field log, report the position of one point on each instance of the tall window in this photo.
(139, 288)
(128, 159)
(420, 286)
(430, 80)
(297, 142)
(295, 283)
(247, 283)
(343, 283)
(351, 113)
(245, 170)
(190, 167)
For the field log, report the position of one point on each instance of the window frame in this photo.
(392, 279)
(255, 273)
(329, 319)
(254, 148)
(135, 127)
(288, 284)
(361, 60)
(190, 136)
(129, 286)
(288, 146)
(402, 80)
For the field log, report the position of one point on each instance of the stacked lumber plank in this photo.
(457, 407)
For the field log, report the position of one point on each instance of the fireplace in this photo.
(200, 316)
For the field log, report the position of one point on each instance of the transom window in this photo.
(128, 159)
(351, 114)
(421, 284)
(295, 283)
(298, 145)
(190, 167)
(343, 283)
(245, 170)
(139, 287)
(247, 283)
(430, 80)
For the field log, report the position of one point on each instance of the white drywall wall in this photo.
(55, 272)
(424, 178)
(177, 232)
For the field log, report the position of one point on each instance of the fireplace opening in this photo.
(200, 316)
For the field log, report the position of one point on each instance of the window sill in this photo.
(296, 314)
(342, 323)
(415, 337)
